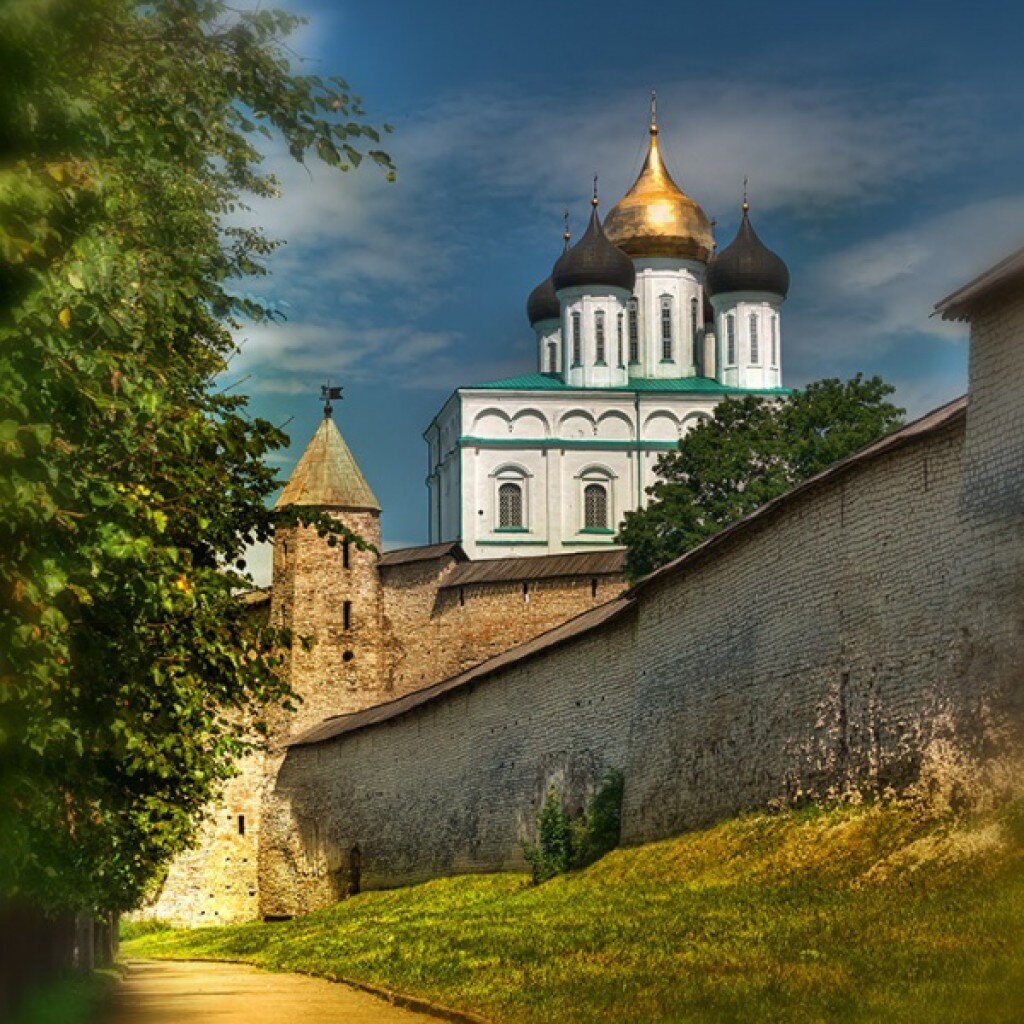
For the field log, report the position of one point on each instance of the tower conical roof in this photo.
(656, 217)
(328, 475)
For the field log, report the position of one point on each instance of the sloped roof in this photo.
(341, 724)
(423, 553)
(327, 475)
(504, 570)
(1003, 276)
(922, 427)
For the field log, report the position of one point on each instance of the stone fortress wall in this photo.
(414, 617)
(862, 633)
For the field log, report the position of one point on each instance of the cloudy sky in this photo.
(883, 142)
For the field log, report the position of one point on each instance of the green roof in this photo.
(700, 385)
(327, 475)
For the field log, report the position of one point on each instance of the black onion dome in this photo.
(543, 303)
(594, 260)
(747, 265)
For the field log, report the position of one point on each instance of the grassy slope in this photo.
(847, 914)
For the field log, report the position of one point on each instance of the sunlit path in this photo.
(166, 992)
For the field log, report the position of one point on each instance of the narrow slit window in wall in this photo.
(577, 343)
(552, 357)
(634, 333)
(241, 824)
(346, 554)
(618, 336)
(730, 340)
(599, 337)
(754, 354)
(346, 614)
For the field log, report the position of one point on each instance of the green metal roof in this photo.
(327, 475)
(699, 385)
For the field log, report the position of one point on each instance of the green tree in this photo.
(130, 676)
(750, 451)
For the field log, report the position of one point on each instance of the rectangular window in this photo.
(730, 340)
(693, 331)
(552, 357)
(666, 327)
(346, 614)
(618, 335)
(775, 340)
(599, 337)
(634, 333)
(754, 354)
(577, 346)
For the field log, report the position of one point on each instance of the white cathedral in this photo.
(641, 330)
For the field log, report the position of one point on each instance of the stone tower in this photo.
(329, 596)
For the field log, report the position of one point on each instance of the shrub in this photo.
(566, 843)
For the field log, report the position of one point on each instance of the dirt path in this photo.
(168, 992)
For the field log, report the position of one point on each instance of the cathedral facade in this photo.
(641, 329)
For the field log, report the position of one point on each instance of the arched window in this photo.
(730, 340)
(599, 337)
(754, 354)
(510, 506)
(666, 327)
(693, 331)
(634, 333)
(552, 357)
(595, 507)
(577, 344)
(618, 337)
(775, 339)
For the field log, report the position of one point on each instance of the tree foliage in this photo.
(750, 451)
(129, 485)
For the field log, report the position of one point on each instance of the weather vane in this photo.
(329, 394)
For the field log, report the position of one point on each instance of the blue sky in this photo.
(883, 143)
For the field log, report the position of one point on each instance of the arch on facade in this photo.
(615, 426)
(577, 423)
(491, 422)
(530, 423)
(661, 426)
(691, 420)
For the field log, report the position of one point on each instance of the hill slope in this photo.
(846, 914)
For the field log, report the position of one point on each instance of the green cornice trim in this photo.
(555, 442)
(511, 529)
(521, 543)
(596, 529)
(677, 385)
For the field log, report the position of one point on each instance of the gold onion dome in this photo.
(656, 217)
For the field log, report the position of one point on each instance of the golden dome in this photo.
(656, 217)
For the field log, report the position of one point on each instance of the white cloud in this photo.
(867, 298)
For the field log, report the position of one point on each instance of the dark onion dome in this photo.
(747, 265)
(593, 260)
(543, 303)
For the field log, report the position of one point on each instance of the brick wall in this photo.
(431, 632)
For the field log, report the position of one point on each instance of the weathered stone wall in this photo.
(431, 633)
(864, 635)
(216, 881)
(450, 787)
(313, 585)
(842, 646)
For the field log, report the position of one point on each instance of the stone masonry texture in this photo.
(865, 637)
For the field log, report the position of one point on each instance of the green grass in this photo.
(848, 914)
(71, 1001)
